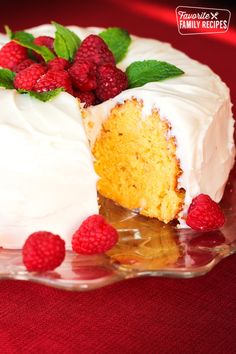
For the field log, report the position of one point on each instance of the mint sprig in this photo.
(22, 36)
(117, 40)
(66, 42)
(140, 73)
(6, 78)
(60, 47)
(46, 53)
(43, 96)
(26, 40)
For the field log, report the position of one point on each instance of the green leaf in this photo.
(117, 40)
(20, 35)
(66, 42)
(23, 36)
(140, 73)
(43, 96)
(6, 78)
(46, 53)
(60, 47)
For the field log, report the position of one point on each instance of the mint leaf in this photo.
(117, 40)
(22, 36)
(19, 36)
(60, 47)
(140, 73)
(43, 96)
(6, 78)
(25, 41)
(66, 42)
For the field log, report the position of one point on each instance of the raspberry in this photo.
(94, 236)
(11, 54)
(95, 49)
(110, 81)
(88, 98)
(54, 79)
(204, 214)
(23, 65)
(43, 251)
(27, 78)
(83, 75)
(58, 64)
(44, 41)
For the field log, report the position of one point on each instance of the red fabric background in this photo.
(146, 315)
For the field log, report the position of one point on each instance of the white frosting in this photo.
(46, 169)
(197, 105)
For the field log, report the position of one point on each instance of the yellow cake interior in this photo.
(135, 158)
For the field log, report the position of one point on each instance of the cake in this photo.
(155, 147)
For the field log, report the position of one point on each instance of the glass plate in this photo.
(146, 247)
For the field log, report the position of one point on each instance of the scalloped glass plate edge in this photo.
(89, 274)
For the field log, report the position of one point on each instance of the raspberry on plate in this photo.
(11, 54)
(94, 236)
(204, 214)
(43, 251)
(27, 78)
(83, 75)
(94, 48)
(110, 81)
(88, 98)
(52, 80)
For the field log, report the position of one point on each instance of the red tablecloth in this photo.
(146, 315)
